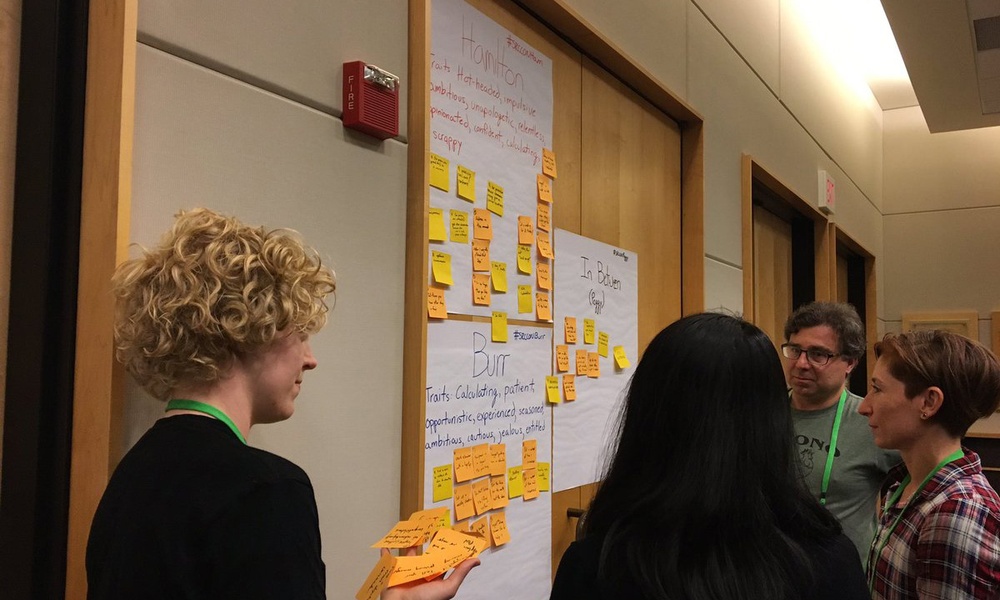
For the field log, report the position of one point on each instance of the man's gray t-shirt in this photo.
(859, 466)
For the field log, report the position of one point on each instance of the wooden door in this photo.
(772, 271)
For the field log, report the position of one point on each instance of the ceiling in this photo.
(956, 83)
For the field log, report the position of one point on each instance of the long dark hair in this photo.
(702, 498)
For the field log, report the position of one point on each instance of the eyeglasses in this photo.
(813, 355)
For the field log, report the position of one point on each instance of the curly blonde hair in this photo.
(213, 289)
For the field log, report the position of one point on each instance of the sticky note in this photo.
(481, 289)
(498, 459)
(480, 255)
(435, 517)
(436, 308)
(498, 491)
(530, 484)
(602, 343)
(544, 217)
(412, 568)
(569, 388)
(482, 224)
(481, 496)
(466, 183)
(439, 172)
(454, 546)
(593, 365)
(461, 526)
(494, 198)
(544, 273)
(464, 504)
(544, 189)
(435, 225)
(588, 331)
(498, 529)
(404, 534)
(543, 477)
(524, 259)
(481, 459)
(481, 528)
(562, 358)
(441, 263)
(459, 226)
(499, 322)
(621, 360)
(442, 483)
(544, 247)
(552, 389)
(542, 306)
(525, 231)
(515, 482)
(549, 162)
(582, 362)
(570, 330)
(378, 579)
(498, 275)
(525, 304)
(529, 453)
(465, 468)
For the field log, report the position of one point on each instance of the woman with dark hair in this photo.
(702, 498)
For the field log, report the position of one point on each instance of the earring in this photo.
(923, 415)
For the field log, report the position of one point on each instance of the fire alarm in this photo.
(371, 100)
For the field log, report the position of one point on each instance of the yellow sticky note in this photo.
(498, 529)
(480, 255)
(481, 496)
(593, 365)
(481, 528)
(543, 477)
(442, 267)
(465, 468)
(436, 308)
(588, 331)
(562, 358)
(542, 306)
(524, 259)
(570, 330)
(530, 483)
(544, 247)
(412, 568)
(582, 362)
(544, 272)
(602, 344)
(442, 483)
(498, 459)
(481, 289)
(498, 491)
(529, 448)
(620, 358)
(569, 388)
(439, 172)
(481, 459)
(544, 216)
(459, 226)
(525, 304)
(464, 504)
(515, 482)
(499, 326)
(466, 183)
(494, 198)
(525, 231)
(482, 224)
(435, 229)
(378, 579)
(552, 389)
(549, 162)
(544, 189)
(498, 275)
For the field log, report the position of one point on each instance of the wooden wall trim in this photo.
(746, 210)
(838, 235)
(692, 218)
(106, 194)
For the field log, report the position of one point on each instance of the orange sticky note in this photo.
(588, 331)
(481, 289)
(544, 247)
(465, 468)
(435, 225)
(498, 459)
(412, 568)
(552, 389)
(464, 504)
(404, 534)
(515, 482)
(529, 453)
(549, 162)
(543, 477)
(582, 362)
(482, 224)
(544, 272)
(442, 483)
(461, 526)
(481, 528)
(524, 300)
(570, 329)
(436, 308)
(459, 226)
(480, 255)
(498, 275)
(542, 306)
(498, 491)
(433, 518)
(441, 264)
(544, 189)
(621, 360)
(524, 259)
(499, 326)
(378, 579)
(466, 183)
(494, 198)
(481, 496)
(569, 388)
(530, 484)
(602, 343)
(439, 172)
(481, 459)
(454, 546)
(593, 365)
(498, 529)
(562, 358)
(525, 231)
(544, 216)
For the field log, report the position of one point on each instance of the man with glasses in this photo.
(840, 462)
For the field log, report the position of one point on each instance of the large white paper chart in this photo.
(481, 392)
(595, 283)
(490, 118)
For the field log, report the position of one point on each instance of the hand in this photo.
(442, 588)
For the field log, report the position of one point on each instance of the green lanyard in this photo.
(957, 454)
(832, 451)
(208, 409)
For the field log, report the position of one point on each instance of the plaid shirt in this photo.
(947, 545)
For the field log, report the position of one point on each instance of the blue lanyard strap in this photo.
(207, 409)
(833, 448)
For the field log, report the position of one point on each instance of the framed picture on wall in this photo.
(962, 322)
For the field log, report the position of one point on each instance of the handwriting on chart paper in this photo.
(603, 279)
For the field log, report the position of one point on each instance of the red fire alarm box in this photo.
(371, 100)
